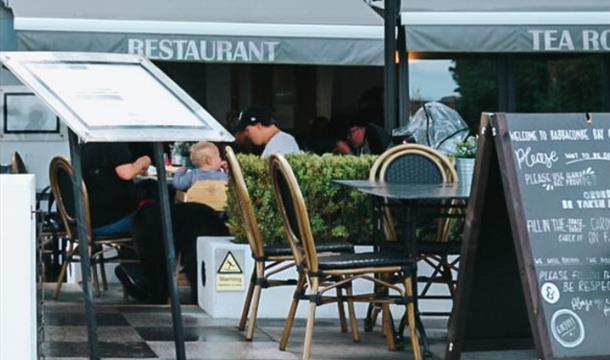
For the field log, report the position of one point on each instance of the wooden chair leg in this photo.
(388, 327)
(259, 268)
(247, 302)
(253, 312)
(64, 268)
(352, 315)
(417, 354)
(291, 313)
(374, 314)
(103, 271)
(311, 318)
(341, 310)
(96, 282)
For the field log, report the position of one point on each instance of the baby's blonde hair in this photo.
(201, 150)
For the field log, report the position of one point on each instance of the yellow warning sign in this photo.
(230, 276)
(229, 265)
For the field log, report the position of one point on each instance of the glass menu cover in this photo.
(114, 97)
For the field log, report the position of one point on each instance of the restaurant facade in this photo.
(516, 56)
(326, 58)
(305, 59)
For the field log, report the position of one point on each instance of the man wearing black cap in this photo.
(260, 127)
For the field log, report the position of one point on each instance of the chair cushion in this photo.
(362, 260)
(426, 247)
(277, 250)
(334, 246)
(325, 246)
(111, 237)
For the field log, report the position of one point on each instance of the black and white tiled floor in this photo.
(131, 331)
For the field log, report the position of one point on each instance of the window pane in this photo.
(562, 84)
(466, 84)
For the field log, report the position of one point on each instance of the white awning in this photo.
(334, 32)
(510, 26)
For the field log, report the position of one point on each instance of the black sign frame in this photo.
(487, 236)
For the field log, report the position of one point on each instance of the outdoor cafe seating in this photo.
(16, 166)
(419, 164)
(319, 275)
(269, 260)
(60, 175)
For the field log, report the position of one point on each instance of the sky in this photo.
(430, 79)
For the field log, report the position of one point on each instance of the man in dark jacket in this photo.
(364, 138)
(108, 171)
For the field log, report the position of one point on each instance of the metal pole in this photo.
(404, 101)
(83, 246)
(170, 258)
(390, 93)
(506, 83)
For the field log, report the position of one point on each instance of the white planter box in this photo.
(274, 301)
(228, 304)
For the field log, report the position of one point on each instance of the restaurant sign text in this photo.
(570, 40)
(204, 50)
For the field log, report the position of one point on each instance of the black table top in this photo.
(408, 191)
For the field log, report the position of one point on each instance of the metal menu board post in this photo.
(117, 98)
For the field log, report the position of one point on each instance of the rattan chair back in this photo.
(291, 205)
(412, 167)
(60, 176)
(412, 164)
(246, 209)
(383, 159)
(17, 164)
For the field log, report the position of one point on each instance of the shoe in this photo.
(132, 278)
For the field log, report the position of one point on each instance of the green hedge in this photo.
(334, 210)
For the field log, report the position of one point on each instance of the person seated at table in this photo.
(148, 283)
(209, 166)
(363, 138)
(260, 126)
(108, 170)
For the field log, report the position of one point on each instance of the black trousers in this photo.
(189, 221)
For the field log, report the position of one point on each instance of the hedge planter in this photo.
(335, 211)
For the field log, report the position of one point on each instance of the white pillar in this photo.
(17, 267)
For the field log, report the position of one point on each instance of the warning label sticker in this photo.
(229, 276)
(229, 265)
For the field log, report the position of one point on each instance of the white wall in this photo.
(37, 150)
(36, 154)
(17, 268)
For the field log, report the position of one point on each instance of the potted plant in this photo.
(465, 154)
(180, 153)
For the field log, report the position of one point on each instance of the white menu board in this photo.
(114, 97)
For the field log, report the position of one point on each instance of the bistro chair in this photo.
(269, 260)
(320, 274)
(411, 164)
(17, 164)
(60, 175)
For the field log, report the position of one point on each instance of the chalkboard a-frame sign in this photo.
(535, 264)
